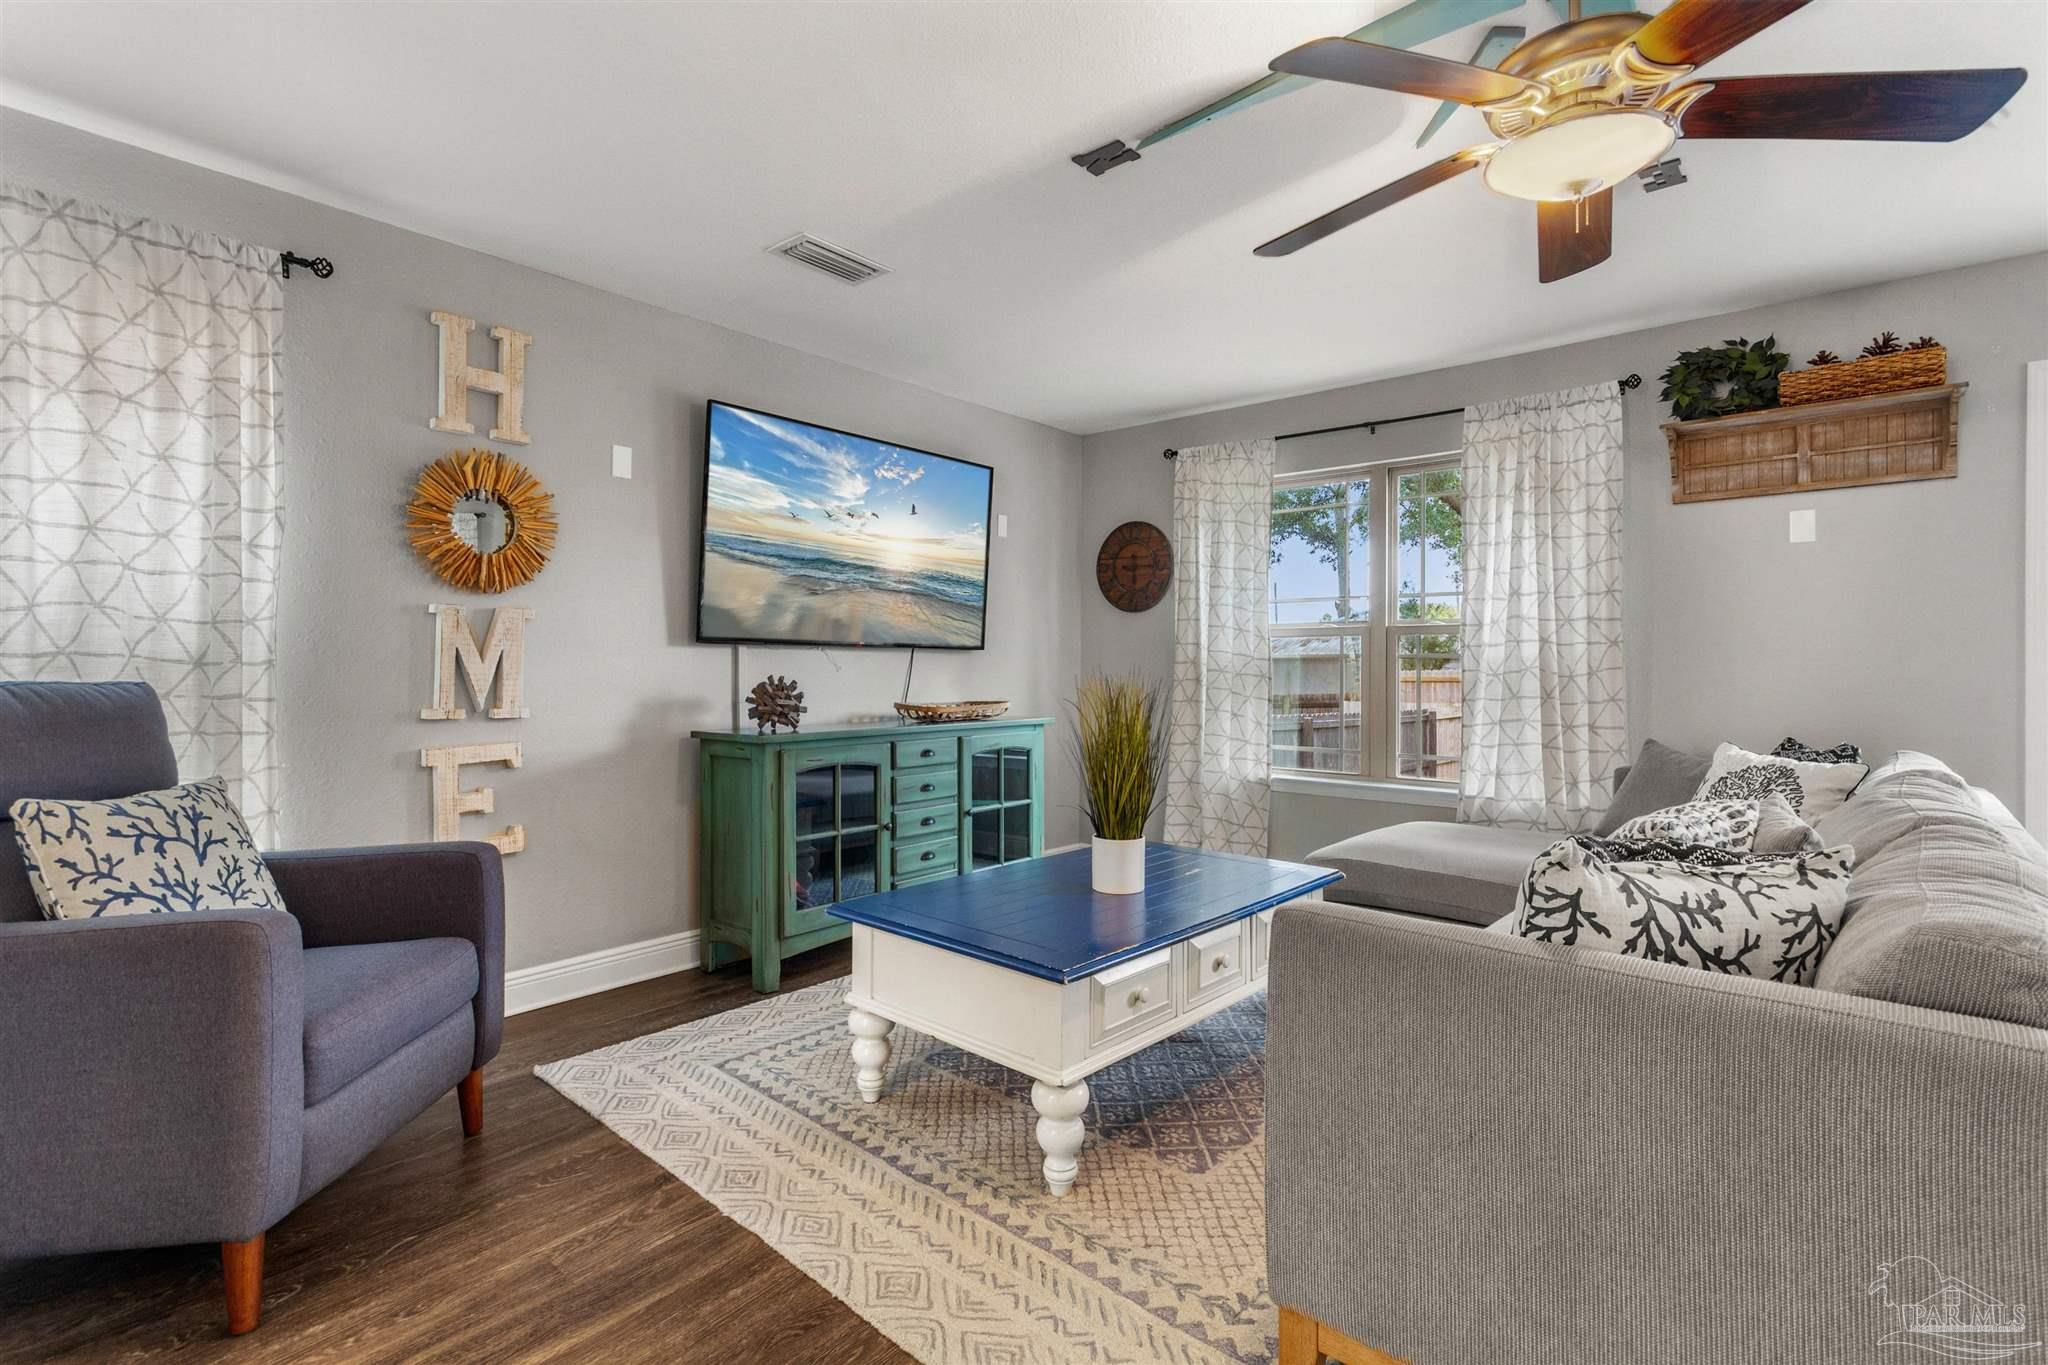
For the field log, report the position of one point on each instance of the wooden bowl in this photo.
(949, 712)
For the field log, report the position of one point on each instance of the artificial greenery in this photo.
(1714, 381)
(1120, 743)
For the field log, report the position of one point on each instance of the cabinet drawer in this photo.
(1215, 961)
(1130, 997)
(926, 784)
(926, 820)
(1262, 942)
(926, 855)
(927, 753)
(898, 882)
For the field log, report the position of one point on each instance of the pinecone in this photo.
(1923, 344)
(1824, 358)
(1886, 343)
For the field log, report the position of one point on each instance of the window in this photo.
(1366, 596)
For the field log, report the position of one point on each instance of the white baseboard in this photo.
(551, 983)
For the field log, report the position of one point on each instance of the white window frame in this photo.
(1380, 636)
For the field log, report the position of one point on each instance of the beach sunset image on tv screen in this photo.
(814, 536)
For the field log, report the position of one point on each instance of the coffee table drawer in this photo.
(1216, 961)
(926, 784)
(1130, 997)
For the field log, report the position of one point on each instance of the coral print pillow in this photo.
(1811, 789)
(164, 852)
(1741, 915)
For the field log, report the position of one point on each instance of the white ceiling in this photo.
(655, 149)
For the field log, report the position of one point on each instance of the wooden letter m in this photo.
(502, 659)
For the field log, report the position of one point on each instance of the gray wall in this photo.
(607, 794)
(1899, 627)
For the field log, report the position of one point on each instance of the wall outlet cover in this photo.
(1002, 526)
(1803, 530)
(622, 462)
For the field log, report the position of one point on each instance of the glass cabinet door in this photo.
(1005, 782)
(837, 843)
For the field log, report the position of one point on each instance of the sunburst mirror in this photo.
(481, 521)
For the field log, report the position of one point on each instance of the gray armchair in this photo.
(193, 1078)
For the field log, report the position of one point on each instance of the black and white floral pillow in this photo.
(1789, 747)
(174, 851)
(1812, 789)
(1742, 915)
(1717, 824)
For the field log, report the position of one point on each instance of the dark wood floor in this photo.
(545, 1238)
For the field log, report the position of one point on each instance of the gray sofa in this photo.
(193, 1078)
(1486, 1150)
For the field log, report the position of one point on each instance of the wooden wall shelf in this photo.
(1885, 438)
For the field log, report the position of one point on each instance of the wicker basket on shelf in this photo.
(949, 712)
(1925, 368)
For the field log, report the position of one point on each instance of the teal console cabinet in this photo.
(791, 824)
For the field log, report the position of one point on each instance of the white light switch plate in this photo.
(1803, 529)
(622, 462)
(1002, 526)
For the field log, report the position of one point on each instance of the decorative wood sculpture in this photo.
(774, 703)
(529, 511)
(451, 803)
(1134, 566)
(501, 660)
(458, 377)
(1887, 438)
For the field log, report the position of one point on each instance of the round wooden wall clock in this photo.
(1134, 566)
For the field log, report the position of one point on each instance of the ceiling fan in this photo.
(1578, 109)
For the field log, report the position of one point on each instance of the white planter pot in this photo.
(1119, 866)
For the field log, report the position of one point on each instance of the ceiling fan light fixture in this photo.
(1574, 158)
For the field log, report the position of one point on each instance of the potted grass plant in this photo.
(1120, 746)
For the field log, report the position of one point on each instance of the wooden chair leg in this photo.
(241, 1265)
(470, 1094)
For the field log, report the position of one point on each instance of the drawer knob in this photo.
(1140, 996)
(926, 787)
(926, 753)
(1220, 963)
(925, 856)
(928, 821)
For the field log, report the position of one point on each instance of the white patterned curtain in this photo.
(1545, 725)
(139, 454)
(1218, 754)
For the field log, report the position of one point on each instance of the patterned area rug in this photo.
(926, 1211)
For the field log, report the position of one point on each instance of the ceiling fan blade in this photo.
(1337, 219)
(1573, 237)
(1389, 68)
(1878, 106)
(1415, 23)
(1499, 41)
(1694, 32)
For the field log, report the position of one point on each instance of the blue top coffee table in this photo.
(1027, 966)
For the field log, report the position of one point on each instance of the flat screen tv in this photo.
(812, 536)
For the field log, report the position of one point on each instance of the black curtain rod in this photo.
(1627, 381)
(319, 265)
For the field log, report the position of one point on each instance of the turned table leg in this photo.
(1060, 1130)
(870, 1051)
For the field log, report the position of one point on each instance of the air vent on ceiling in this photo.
(836, 261)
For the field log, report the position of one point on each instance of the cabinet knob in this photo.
(928, 822)
(927, 753)
(1140, 996)
(1219, 964)
(925, 856)
(926, 787)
